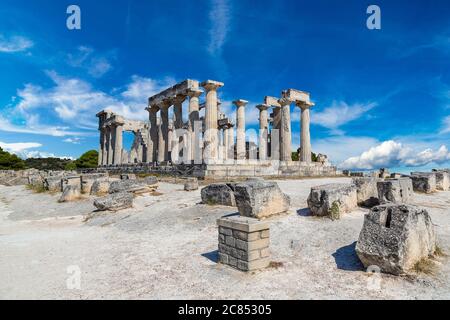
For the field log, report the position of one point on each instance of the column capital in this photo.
(304, 104)
(211, 85)
(152, 108)
(240, 103)
(194, 93)
(284, 101)
(179, 98)
(166, 103)
(262, 107)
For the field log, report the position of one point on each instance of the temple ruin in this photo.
(212, 145)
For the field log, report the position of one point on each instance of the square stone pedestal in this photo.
(244, 243)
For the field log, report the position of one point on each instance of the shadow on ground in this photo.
(213, 256)
(346, 258)
(305, 212)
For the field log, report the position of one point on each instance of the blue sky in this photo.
(382, 96)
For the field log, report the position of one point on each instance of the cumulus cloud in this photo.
(446, 125)
(74, 140)
(24, 150)
(219, 17)
(340, 113)
(395, 154)
(72, 103)
(14, 44)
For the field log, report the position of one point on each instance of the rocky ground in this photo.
(165, 248)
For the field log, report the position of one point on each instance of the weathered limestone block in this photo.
(134, 186)
(100, 187)
(244, 243)
(53, 183)
(36, 181)
(219, 194)
(70, 193)
(70, 181)
(395, 237)
(424, 182)
(191, 184)
(115, 201)
(366, 191)
(87, 180)
(395, 190)
(332, 200)
(442, 180)
(260, 199)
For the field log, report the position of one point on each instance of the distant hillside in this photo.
(47, 163)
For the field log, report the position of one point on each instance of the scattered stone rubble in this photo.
(219, 194)
(442, 180)
(191, 184)
(115, 201)
(71, 193)
(395, 237)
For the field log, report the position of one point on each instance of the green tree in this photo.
(87, 160)
(10, 161)
(70, 166)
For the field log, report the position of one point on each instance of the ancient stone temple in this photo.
(203, 141)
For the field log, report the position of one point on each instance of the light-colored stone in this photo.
(114, 202)
(135, 186)
(191, 184)
(395, 190)
(424, 181)
(366, 191)
(442, 180)
(53, 184)
(70, 193)
(396, 237)
(100, 187)
(332, 199)
(260, 199)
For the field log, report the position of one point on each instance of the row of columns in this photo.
(111, 144)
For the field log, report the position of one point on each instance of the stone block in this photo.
(244, 249)
(70, 193)
(100, 187)
(219, 194)
(70, 181)
(332, 199)
(395, 190)
(260, 199)
(395, 237)
(114, 202)
(191, 184)
(133, 186)
(53, 184)
(424, 181)
(366, 191)
(442, 180)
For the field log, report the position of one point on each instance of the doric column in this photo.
(305, 138)
(109, 139)
(285, 131)
(118, 143)
(210, 136)
(229, 133)
(153, 110)
(194, 107)
(101, 148)
(178, 111)
(164, 140)
(161, 143)
(263, 130)
(240, 128)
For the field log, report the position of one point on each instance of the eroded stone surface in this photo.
(332, 199)
(134, 186)
(395, 237)
(191, 184)
(219, 194)
(260, 199)
(115, 201)
(100, 187)
(395, 190)
(424, 181)
(442, 180)
(70, 193)
(366, 191)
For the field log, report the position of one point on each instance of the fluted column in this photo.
(161, 143)
(153, 110)
(263, 130)
(240, 128)
(211, 134)
(109, 143)
(101, 148)
(305, 138)
(164, 148)
(285, 131)
(194, 107)
(118, 143)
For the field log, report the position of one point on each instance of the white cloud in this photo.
(445, 125)
(14, 44)
(73, 140)
(394, 154)
(72, 103)
(96, 65)
(19, 146)
(340, 113)
(219, 17)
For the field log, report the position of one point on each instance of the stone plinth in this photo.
(332, 200)
(424, 182)
(396, 237)
(244, 243)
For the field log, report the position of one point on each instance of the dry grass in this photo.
(275, 264)
(425, 266)
(439, 252)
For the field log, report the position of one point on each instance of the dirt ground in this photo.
(165, 248)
